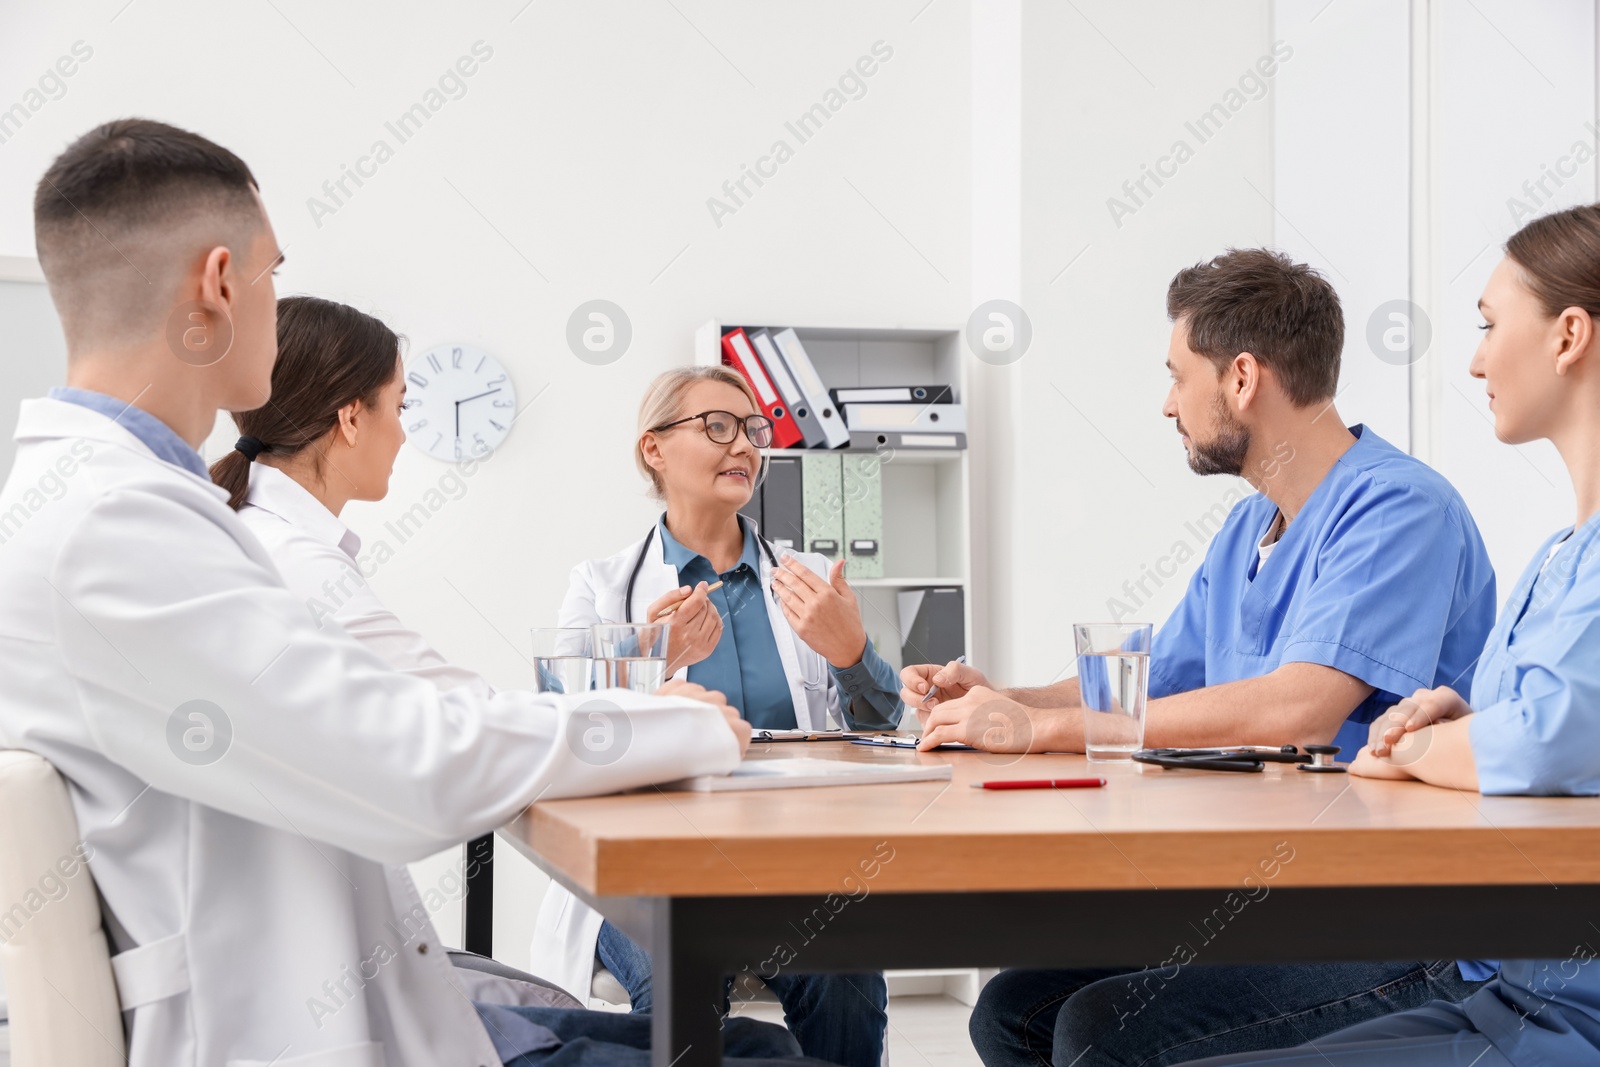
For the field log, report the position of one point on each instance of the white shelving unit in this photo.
(927, 512)
(928, 532)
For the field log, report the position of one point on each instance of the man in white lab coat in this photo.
(250, 783)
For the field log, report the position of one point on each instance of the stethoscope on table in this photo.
(1247, 758)
(644, 551)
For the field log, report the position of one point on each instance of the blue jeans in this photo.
(607, 1039)
(1152, 1017)
(840, 1018)
(1435, 1035)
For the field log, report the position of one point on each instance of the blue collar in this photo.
(674, 553)
(156, 435)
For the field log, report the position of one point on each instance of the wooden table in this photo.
(1159, 868)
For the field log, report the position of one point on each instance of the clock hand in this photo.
(463, 400)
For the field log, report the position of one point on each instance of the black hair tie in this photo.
(251, 447)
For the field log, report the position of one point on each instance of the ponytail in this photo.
(329, 356)
(232, 471)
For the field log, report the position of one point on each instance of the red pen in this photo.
(1042, 783)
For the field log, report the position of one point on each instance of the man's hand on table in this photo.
(740, 728)
(986, 720)
(953, 680)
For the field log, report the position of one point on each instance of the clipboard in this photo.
(762, 737)
(906, 741)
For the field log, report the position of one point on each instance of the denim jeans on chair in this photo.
(1152, 1018)
(607, 1039)
(840, 1018)
(1435, 1035)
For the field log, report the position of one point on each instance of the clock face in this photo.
(459, 403)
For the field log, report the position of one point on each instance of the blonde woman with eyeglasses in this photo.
(781, 638)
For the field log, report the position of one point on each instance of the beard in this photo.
(1225, 452)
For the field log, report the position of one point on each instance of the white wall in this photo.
(32, 349)
(996, 274)
(1341, 182)
(1517, 90)
(1102, 488)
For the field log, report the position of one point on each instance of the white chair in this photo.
(61, 994)
(606, 993)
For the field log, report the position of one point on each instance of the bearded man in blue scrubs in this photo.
(1351, 578)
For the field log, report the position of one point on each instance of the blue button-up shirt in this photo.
(156, 435)
(745, 666)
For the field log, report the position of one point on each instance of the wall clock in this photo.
(459, 403)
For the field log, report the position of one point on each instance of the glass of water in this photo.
(1114, 684)
(631, 655)
(563, 659)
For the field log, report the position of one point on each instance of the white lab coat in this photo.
(320, 560)
(255, 901)
(567, 929)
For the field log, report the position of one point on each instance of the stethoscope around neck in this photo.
(644, 551)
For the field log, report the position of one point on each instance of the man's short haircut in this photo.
(119, 215)
(1259, 301)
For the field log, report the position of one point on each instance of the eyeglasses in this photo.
(723, 427)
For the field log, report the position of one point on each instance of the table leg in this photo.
(477, 909)
(686, 993)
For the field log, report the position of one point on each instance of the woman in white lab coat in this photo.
(782, 638)
(330, 436)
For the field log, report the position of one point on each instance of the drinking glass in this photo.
(631, 655)
(563, 659)
(1114, 685)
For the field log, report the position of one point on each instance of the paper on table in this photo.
(797, 773)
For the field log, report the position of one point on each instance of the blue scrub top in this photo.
(1536, 696)
(1535, 729)
(1382, 575)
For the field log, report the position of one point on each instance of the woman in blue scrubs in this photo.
(1532, 725)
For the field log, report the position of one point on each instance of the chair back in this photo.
(62, 997)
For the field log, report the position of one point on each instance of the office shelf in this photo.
(897, 455)
(903, 583)
(927, 513)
